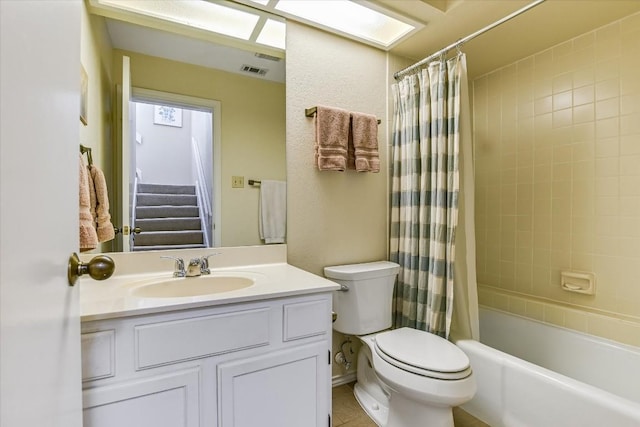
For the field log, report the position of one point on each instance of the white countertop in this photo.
(112, 298)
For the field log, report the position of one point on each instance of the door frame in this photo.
(194, 103)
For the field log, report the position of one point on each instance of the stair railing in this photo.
(202, 192)
(134, 203)
(201, 211)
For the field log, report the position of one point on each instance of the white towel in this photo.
(273, 211)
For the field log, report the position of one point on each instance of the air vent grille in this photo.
(254, 70)
(268, 57)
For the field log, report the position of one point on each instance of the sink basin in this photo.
(192, 286)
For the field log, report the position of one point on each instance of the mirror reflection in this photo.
(172, 159)
(196, 134)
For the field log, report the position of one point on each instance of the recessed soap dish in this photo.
(578, 281)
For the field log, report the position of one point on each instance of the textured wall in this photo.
(333, 217)
(557, 139)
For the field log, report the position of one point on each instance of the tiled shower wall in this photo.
(557, 146)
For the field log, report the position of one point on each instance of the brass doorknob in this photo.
(100, 267)
(126, 230)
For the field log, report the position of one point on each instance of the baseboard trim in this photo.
(338, 380)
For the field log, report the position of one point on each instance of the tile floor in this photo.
(348, 413)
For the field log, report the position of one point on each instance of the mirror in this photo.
(247, 132)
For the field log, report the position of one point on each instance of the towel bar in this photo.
(310, 112)
(254, 182)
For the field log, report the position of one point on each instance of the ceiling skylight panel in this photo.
(195, 13)
(350, 18)
(273, 34)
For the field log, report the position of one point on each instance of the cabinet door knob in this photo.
(100, 267)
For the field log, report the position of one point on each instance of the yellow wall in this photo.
(253, 130)
(96, 58)
(557, 141)
(333, 217)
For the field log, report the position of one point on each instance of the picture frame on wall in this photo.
(84, 93)
(167, 116)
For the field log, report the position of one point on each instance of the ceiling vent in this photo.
(254, 70)
(269, 57)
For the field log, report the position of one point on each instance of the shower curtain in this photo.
(432, 233)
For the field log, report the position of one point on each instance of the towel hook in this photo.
(87, 150)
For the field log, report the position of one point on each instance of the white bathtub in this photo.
(570, 379)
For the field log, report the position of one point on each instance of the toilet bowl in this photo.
(405, 377)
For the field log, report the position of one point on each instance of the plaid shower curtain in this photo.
(424, 194)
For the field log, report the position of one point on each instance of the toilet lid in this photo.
(423, 353)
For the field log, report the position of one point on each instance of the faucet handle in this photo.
(179, 266)
(204, 263)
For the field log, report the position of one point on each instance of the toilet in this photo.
(405, 377)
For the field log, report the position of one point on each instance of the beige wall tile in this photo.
(553, 315)
(518, 306)
(561, 188)
(575, 319)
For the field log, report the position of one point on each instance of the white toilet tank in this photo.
(365, 307)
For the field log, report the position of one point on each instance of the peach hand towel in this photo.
(332, 138)
(88, 236)
(102, 217)
(365, 142)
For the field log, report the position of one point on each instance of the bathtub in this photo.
(531, 374)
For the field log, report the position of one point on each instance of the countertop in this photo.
(113, 297)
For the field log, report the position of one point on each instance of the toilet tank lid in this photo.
(363, 271)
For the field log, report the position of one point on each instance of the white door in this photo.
(127, 177)
(39, 150)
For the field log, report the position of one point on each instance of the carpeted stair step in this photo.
(166, 212)
(151, 199)
(155, 238)
(168, 216)
(167, 224)
(166, 189)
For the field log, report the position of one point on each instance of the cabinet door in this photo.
(288, 388)
(170, 400)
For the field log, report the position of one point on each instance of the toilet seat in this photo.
(422, 353)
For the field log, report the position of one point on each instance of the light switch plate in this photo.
(237, 182)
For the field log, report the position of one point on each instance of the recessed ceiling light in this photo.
(273, 34)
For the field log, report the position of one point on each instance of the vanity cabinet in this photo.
(262, 363)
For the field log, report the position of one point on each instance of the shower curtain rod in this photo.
(466, 39)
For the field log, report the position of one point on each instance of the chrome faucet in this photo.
(196, 267)
(179, 266)
(204, 263)
(193, 269)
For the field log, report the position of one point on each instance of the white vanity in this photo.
(256, 356)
